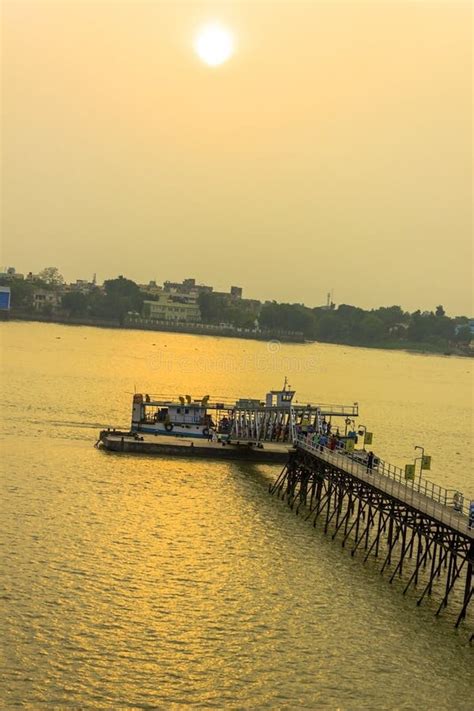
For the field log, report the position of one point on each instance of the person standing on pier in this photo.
(370, 461)
(471, 514)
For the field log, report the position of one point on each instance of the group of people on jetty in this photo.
(324, 437)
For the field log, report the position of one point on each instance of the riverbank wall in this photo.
(142, 324)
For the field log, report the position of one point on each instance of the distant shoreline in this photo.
(211, 330)
(139, 324)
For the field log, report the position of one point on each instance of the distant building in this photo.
(252, 304)
(171, 307)
(45, 297)
(11, 273)
(469, 325)
(187, 286)
(234, 294)
(5, 295)
(151, 288)
(82, 285)
(398, 329)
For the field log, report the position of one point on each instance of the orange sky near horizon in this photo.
(331, 152)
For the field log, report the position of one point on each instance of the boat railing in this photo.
(299, 408)
(455, 507)
(328, 408)
(218, 405)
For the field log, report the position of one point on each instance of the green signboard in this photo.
(368, 438)
(349, 445)
(426, 462)
(409, 471)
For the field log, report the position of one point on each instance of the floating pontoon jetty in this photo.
(194, 448)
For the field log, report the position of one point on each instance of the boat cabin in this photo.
(185, 417)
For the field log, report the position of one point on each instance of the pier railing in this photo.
(448, 505)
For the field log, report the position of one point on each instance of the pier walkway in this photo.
(425, 496)
(420, 528)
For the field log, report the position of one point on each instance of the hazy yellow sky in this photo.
(332, 152)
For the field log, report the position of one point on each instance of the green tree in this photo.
(463, 335)
(121, 296)
(99, 306)
(216, 308)
(371, 329)
(75, 303)
(51, 276)
(287, 317)
(210, 307)
(327, 326)
(391, 315)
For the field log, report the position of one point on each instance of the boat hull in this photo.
(181, 447)
(176, 431)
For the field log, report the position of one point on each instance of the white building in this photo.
(171, 307)
(45, 297)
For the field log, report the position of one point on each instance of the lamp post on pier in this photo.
(420, 458)
(348, 422)
(425, 461)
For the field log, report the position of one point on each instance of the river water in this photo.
(133, 582)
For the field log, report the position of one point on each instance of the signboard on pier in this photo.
(349, 445)
(409, 471)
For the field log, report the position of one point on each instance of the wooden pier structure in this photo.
(416, 528)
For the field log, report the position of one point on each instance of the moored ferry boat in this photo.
(246, 428)
(277, 418)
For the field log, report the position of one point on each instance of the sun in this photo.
(214, 44)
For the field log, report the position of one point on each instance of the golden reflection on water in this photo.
(405, 399)
(157, 583)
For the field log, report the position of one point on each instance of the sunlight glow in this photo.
(214, 44)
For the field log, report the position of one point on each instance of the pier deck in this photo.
(402, 491)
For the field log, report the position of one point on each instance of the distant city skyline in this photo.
(247, 294)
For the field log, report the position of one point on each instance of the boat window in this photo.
(186, 410)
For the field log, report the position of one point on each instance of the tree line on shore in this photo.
(386, 325)
(389, 326)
